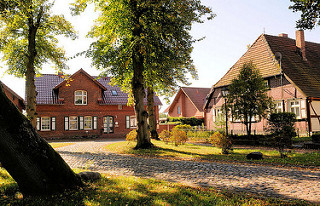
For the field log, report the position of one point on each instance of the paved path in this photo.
(267, 181)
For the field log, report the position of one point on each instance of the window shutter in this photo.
(53, 123)
(213, 115)
(127, 122)
(303, 108)
(95, 122)
(38, 123)
(81, 123)
(66, 123)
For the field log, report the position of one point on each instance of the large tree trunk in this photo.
(31, 161)
(138, 89)
(152, 117)
(30, 74)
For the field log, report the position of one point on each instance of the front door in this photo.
(108, 124)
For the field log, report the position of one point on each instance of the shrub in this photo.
(281, 126)
(132, 135)
(187, 120)
(183, 127)
(165, 136)
(220, 140)
(316, 138)
(178, 136)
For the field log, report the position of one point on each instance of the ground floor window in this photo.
(73, 123)
(81, 123)
(88, 123)
(294, 107)
(278, 107)
(131, 122)
(46, 123)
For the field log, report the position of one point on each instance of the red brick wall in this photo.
(187, 107)
(93, 108)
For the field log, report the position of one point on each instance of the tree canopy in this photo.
(248, 98)
(143, 43)
(28, 33)
(310, 13)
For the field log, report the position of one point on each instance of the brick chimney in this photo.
(300, 43)
(283, 35)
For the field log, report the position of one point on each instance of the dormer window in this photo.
(114, 93)
(80, 97)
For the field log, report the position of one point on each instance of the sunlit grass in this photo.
(197, 152)
(60, 144)
(122, 190)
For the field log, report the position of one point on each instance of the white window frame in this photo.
(82, 97)
(73, 121)
(179, 110)
(295, 108)
(278, 106)
(133, 122)
(127, 122)
(88, 123)
(95, 123)
(53, 123)
(45, 121)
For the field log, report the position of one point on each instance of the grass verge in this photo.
(121, 190)
(197, 152)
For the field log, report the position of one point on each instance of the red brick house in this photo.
(14, 97)
(83, 105)
(291, 67)
(188, 102)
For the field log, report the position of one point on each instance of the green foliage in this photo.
(165, 136)
(183, 127)
(220, 140)
(132, 135)
(15, 23)
(281, 126)
(178, 136)
(201, 136)
(248, 97)
(187, 120)
(310, 13)
(123, 190)
(316, 138)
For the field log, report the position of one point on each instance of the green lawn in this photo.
(196, 152)
(120, 190)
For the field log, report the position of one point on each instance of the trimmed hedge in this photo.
(192, 121)
(254, 140)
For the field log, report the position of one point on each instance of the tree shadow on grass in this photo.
(133, 191)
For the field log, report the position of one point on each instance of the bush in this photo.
(178, 136)
(187, 120)
(165, 136)
(183, 127)
(220, 140)
(281, 126)
(132, 135)
(316, 138)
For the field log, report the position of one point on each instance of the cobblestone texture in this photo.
(267, 181)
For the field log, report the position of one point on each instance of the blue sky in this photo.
(237, 24)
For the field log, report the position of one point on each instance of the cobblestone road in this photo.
(267, 181)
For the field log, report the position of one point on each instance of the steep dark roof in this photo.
(46, 93)
(305, 75)
(196, 95)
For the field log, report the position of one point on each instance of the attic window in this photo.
(114, 93)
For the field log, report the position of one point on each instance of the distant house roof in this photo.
(47, 84)
(21, 100)
(196, 95)
(304, 74)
